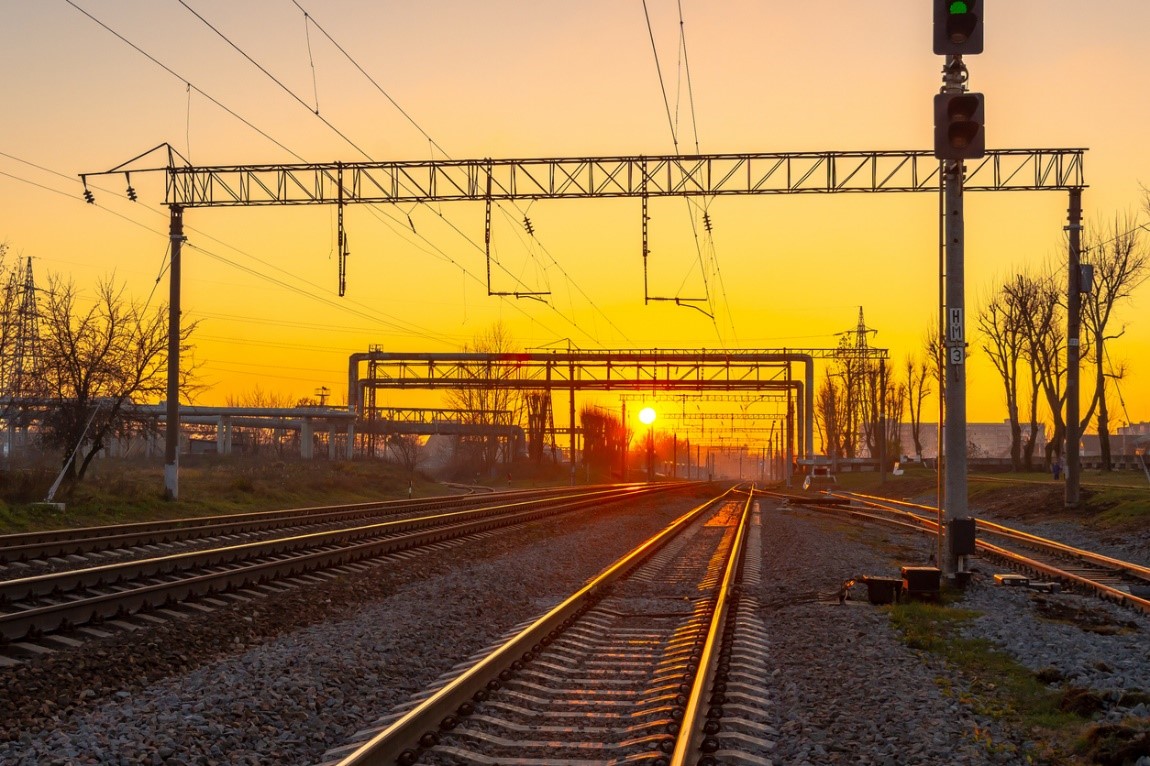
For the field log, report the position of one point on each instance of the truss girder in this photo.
(727, 417)
(595, 177)
(431, 415)
(704, 371)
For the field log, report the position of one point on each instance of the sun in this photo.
(647, 416)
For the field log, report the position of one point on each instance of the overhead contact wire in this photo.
(246, 122)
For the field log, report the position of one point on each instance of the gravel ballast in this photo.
(281, 680)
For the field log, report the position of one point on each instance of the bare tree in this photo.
(278, 440)
(882, 410)
(489, 405)
(827, 412)
(932, 352)
(98, 361)
(604, 443)
(407, 451)
(1000, 324)
(917, 389)
(1120, 264)
(1044, 330)
(1026, 297)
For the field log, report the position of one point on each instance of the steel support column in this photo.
(1073, 350)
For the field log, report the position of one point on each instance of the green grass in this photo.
(1118, 507)
(1115, 501)
(117, 492)
(993, 684)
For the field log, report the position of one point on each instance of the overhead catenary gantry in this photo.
(708, 175)
(648, 370)
(488, 180)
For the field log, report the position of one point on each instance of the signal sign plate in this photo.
(954, 325)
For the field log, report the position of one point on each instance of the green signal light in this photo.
(959, 7)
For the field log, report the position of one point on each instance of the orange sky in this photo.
(552, 79)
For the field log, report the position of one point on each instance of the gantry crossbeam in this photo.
(429, 415)
(730, 417)
(598, 177)
(655, 370)
(659, 370)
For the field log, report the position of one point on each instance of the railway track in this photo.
(657, 660)
(52, 550)
(56, 603)
(1116, 580)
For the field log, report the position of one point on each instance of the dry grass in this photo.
(117, 492)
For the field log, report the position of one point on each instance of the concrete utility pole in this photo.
(954, 79)
(172, 427)
(1073, 351)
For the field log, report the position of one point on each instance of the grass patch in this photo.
(1119, 507)
(993, 684)
(118, 492)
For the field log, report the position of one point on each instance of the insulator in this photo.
(89, 197)
(707, 221)
(131, 194)
(527, 225)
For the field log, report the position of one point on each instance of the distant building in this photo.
(986, 439)
(1127, 440)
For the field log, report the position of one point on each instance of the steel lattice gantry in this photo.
(655, 370)
(489, 180)
(595, 177)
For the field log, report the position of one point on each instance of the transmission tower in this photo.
(26, 363)
(856, 339)
(23, 365)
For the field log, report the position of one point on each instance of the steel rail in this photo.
(107, 574)
(401, 742)
(1105, 590)
(1090, 557)
(83, 540)
(19, 624)
(691, 736)
(1108, 564)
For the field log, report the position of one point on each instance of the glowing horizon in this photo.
(778, 272)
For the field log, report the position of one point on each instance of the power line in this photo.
(662, 86)
(308, 17)
(342, 306)
(277, 143)
(273, 78)
(675, 141)
(299, 100)
(398, 227)
(186, 81)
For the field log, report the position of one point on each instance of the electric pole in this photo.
(958, 135)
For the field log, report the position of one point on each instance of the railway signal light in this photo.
(957, 27)
(958, 126)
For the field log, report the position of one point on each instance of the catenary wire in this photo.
(435, 145)
(442, 254)
(303, 103)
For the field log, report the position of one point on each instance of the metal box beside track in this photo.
(922, 582)
(882, 590)
(961, 533)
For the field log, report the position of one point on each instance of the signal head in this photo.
(957, 27)
(959, 132)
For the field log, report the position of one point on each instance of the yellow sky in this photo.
(551, 79)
